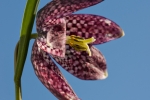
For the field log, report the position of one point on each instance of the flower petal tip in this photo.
(104, 76)
(122, 34)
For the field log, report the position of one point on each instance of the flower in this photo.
(68, 39)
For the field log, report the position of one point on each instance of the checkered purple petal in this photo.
(49, 74)
(83, 66)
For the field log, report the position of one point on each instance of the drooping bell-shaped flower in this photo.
(68, 39)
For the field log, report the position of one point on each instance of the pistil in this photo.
(79, 43)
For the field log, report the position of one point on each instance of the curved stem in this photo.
(22, 48)
(33, 36)
(17, 84)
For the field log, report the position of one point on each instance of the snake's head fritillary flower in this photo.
(68, 39)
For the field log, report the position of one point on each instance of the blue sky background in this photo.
(128, 58)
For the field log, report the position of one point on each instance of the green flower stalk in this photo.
(22, 46)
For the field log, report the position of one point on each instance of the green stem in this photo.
(34, 36)
(22, 48)
(18, 90)
(17, 84)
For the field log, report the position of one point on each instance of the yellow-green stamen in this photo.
(79, 43)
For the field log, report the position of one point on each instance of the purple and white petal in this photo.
(53, 42)
(83, 66)
(49, 74)
(52, 15)
(54, 22)
(59, 8)
(87, 26)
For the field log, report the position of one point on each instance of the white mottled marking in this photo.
(71, 71)
(75, 63)
(79, 25)
(48, 50)
(76, 69)
(73, 29)
(39, 49)
(82, 22)
(85, 25)
(107, 21)
(91, 23)
(95, 30)
(55, 11)
(69, 25)
(74, 21)
(44, 29)
(109, 35)
(101, 20)
(41, 64)
(86, 35)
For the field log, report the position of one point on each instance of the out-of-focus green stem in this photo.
(22, 48)
(18, 84)
(34, 36)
